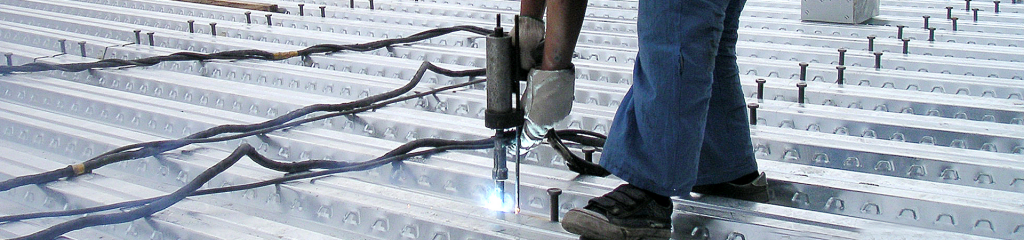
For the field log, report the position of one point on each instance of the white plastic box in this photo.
(838, 11)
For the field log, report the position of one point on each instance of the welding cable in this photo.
(566, 132)
(398, 154)
(295, 114)
(241, 54)
(317, 118)
(583, 137)
(153, 148)
(163, 146)
(153, 205)
(575, 163)
(146, 210)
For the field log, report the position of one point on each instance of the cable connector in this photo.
(79, 169)
(285, 55)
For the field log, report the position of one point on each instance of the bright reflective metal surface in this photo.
(928, 146)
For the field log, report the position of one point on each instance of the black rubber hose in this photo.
(240, 54)
(36, 178)
(312, 119)
(146, 210)
(153, 148)
(398, 154)
(584, 137)
(169, 145)
(324, 48)
(575, 163)
(294, 114)
(566, 132)
(479, 144)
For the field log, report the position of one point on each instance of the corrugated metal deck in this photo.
(928, 144)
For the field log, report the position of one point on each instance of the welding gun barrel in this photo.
(500, 172)
(500, 67)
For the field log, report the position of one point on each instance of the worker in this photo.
(681, 127)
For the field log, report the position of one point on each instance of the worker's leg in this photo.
(655, 140)
(726, 153)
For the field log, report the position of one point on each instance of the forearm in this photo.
(565, 19)
(532, 8)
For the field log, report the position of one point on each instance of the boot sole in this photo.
(591, 225)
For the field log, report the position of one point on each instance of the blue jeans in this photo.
(683, 122)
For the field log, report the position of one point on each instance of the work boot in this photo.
(627, 212)
(743, 188)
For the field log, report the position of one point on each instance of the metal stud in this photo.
(191, 26)
(760, 88)
(931, 34)
(871, 43)
(323, 11)
(152, 41)
(842, 56)
(878, 60)
(803, 71)
(10, 61)
(588, 153)
(269, 21)
(81, 45)
(248, 17)
(801, 86)
(753, 113)
(954, 22)
(841, 70)
(975, 14)
(302, 9)
(63, 46)
(138, 36)
(926, 17)
(899, 31)
(906, 46)
(949, 12)
(553, 194)
(213, 29)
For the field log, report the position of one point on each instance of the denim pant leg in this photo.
(727, 152)
(656, 138)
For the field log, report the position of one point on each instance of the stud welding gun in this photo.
(502, 91)
(506, 114)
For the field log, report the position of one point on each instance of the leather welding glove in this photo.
(530, 36)
(547, 100)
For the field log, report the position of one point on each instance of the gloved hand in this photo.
(530, 36)
(547, 100)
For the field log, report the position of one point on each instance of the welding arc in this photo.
(148, 149)
(153, 205)
(241, 54)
